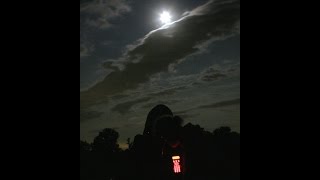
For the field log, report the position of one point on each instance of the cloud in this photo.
(166, 92)
(208, 106)
(125, 107)
(221, 104)
(120, 96)
(156, 102)
(165, 46)
(85, 49)
(98, 13)
(152, 99)
(229, 68)
(212, 73)
(189, 116)
(87, 115)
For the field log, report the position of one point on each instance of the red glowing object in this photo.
(176, 164)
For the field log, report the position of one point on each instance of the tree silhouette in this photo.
(85, 160)
(222, 131)
(204, 155)
(129, 143)
(210, 155)
(84, 146)
(98, 161)
(106, 141)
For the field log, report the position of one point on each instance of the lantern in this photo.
(176, 164)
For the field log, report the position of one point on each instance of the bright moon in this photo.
(165, 17)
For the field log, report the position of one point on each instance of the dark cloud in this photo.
(212, 74)
(166, 46)
(217, 72)
(213, 77)
(86, 115)
(120, 96)
(214, 105)
(221, 104)
(182, 112)
(125, 107)
(156, 102)
(167, 92)
(98, 13)
(85, 49)
(188, 116)
(130, 125)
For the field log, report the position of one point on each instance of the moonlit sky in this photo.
(131, 61)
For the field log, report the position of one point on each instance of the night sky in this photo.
(130, 61)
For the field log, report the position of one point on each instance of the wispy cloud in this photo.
(125, 107)
(149, 73)
(220, 104)
(158, 50)
(98, 13)
(213, 105)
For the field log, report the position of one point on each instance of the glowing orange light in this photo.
(175, 157)
(176, 164)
